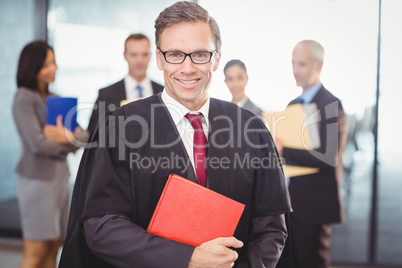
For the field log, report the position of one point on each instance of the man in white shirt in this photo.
(135, 85)
(119, 184)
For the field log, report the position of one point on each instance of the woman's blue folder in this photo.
(67, 107)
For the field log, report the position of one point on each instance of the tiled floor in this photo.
(350, 240)
(10, 254)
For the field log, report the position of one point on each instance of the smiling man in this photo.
(188, 76)
(113, 200)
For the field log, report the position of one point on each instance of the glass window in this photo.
(16, 30)
(390, 129)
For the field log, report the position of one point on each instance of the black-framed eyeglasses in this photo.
(177, 57)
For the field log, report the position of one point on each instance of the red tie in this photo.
(199, 147)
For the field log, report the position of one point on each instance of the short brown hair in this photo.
(186, 12)
(137, 36)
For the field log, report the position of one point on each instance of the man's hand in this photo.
(215, 253)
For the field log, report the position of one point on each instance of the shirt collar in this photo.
(132, 83)
(242, 101)
(178, 110)
(310, 93)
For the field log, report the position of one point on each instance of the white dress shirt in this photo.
(131, 90)
(177, 111)
(242, 101)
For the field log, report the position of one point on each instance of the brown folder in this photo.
(124, 102)
(293, 128)
(294, 171)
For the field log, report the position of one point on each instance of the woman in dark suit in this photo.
(43, 172)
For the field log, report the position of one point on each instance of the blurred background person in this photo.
(236, 79)
(315, 197)
(135, 85)
(42, 186)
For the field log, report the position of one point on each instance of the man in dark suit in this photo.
(119, 182)
(315, 197)
(135, 85)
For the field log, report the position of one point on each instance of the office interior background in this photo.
(362, 66)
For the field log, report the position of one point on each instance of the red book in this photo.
(190, 213)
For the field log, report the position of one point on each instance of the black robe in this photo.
(113, 180)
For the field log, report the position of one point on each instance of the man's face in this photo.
(137, 55)
(188, 82)
(305, 69)
(236, 79)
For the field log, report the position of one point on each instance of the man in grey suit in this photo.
(135, 85)
(236, 79)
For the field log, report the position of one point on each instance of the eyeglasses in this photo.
(197, 57)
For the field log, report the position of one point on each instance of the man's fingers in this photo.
(229, 242)
(216, 253)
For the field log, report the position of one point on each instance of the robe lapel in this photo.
(218, 177)
(317, 97)
(166, 133)
(119, 93)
